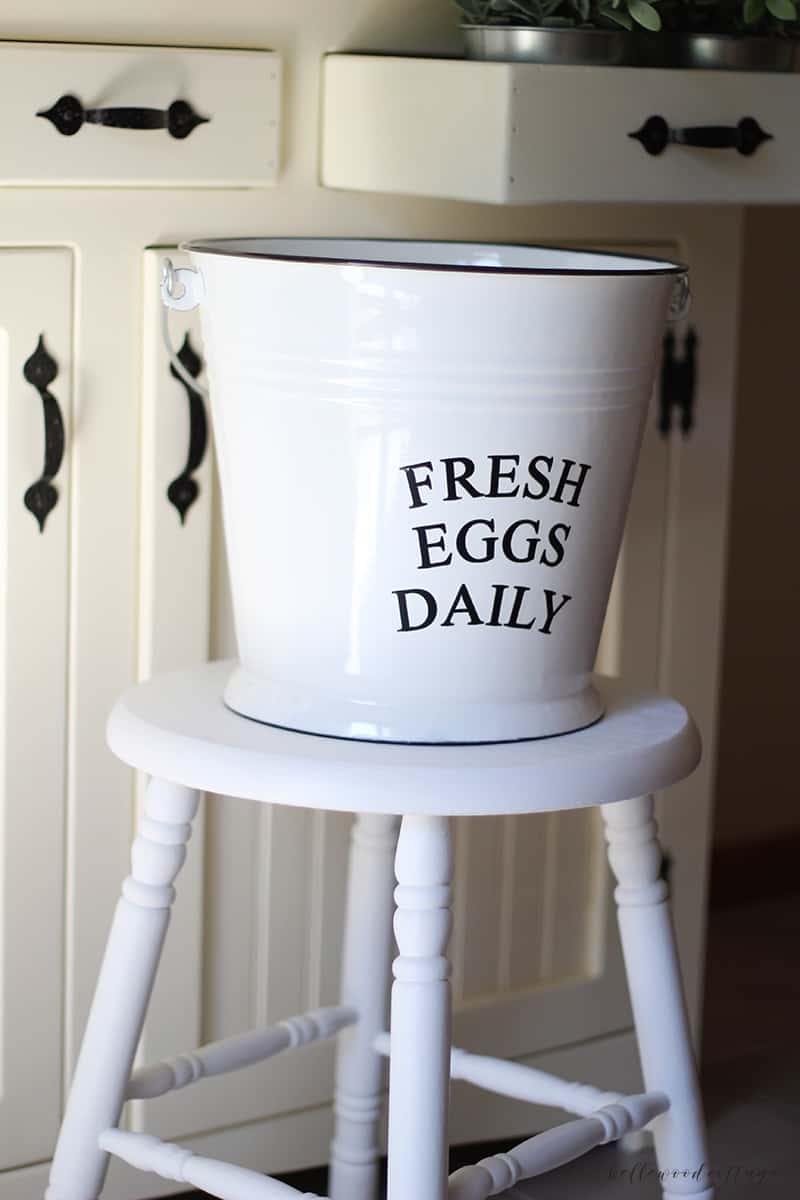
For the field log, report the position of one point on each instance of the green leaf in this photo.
(782, 10)
(645, 15)
(618, 17)
(753, 11)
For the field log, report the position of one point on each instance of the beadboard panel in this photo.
(36, 300)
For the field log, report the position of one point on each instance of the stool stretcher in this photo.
(520, 1082)
(555, 1147)
(234, 1053)
(176, 1163)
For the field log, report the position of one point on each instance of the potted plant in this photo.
(556, 31)
(740, 35)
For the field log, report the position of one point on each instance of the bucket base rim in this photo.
(494, 723)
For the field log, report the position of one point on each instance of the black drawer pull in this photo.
(655, 135)
(41, 497)
(69, 116)
(184, 489)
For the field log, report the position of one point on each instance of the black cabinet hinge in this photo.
(678, 383)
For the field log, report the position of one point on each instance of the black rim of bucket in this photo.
(238, 248)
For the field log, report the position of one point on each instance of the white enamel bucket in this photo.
(426, 453)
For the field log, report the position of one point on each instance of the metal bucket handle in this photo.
(681, 299)
(182, 288)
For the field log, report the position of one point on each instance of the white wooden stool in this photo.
(177, 729)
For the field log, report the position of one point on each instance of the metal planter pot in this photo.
(717, 52)
(561, 47)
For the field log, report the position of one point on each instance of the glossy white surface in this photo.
(176, 727)
(404, 252)
(425, 473)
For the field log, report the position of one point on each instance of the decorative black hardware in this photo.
(655, 135)
(678, 380)
(183, 491)
(40, 370)
(69, 116)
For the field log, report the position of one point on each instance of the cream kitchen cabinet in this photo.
(487, 131)
(36, 371)
(128, 578)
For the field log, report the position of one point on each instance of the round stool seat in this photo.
(177, 728)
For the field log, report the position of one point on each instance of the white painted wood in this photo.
(659, 1011)
(284, 898)
(481, 910)
(292, 1140)
(173, 631)
(222, 1179)
(174, 553)
(419, 1067)
(526, 1083)
(176, 727)
(366, 963)
(528, 902)
(575, 894)
(438, 150)
(239, 91)
(521, 1082)
(123, 990)
(281, 968)
(35, 299)
(556, 1147)
(232, 1054)
(470, 130)
(690, 654)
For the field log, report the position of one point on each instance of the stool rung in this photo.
(521, 1082)
(555, 1147)
(234, 1053)
(228, 1182)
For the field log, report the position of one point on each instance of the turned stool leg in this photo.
(651, 963)
(358, 1103)
(123, 992)
(419, 1068)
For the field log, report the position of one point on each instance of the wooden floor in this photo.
(751, 1075)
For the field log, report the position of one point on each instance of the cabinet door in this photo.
(35, 329)
(174, 596)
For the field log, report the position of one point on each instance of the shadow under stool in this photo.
(177, 729)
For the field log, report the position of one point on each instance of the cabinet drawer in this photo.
(520, 133)
(110, 88)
